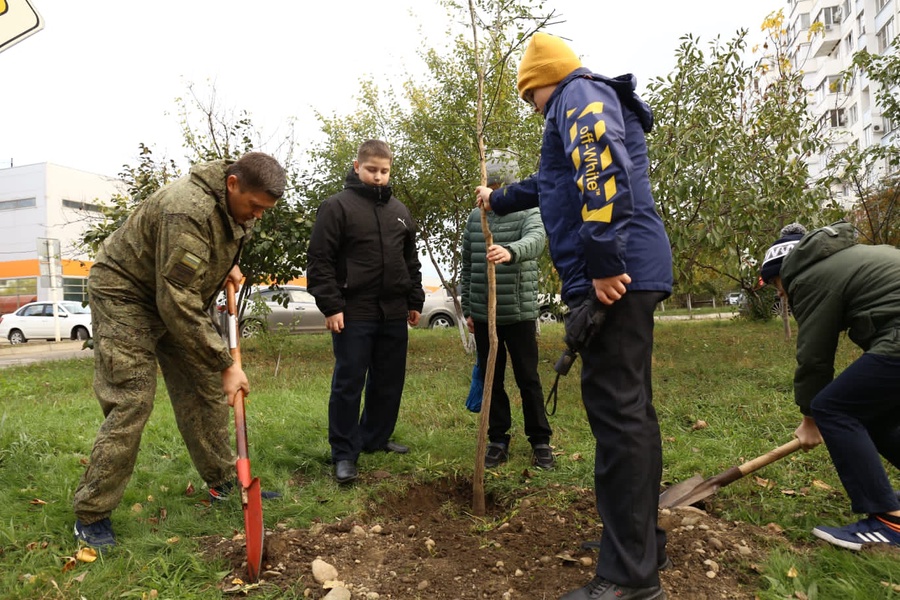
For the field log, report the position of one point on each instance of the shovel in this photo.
(251, 494)
(696, 488)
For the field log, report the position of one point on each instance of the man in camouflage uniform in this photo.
(150, 288)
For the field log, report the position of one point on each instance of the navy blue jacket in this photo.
(593, 187)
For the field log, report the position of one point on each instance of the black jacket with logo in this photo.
(362, 257)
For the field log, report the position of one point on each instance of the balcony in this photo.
(823, 43)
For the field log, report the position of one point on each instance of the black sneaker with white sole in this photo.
(496, 454)
(542, 457)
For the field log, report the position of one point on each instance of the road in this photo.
(34, 351)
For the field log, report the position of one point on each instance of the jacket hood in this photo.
(212, 175)
(815, 246)
(376, 193)
(624, 85)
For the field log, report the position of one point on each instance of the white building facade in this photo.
(849, 110)
(39, 202)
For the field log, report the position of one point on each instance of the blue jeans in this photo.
(368, 355)
(858, 414)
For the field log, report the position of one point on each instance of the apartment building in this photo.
(44, 210)
(847, 109)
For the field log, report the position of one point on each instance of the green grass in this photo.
(724, 309)
(734, 375)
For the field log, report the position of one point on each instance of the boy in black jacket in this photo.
(364, 272)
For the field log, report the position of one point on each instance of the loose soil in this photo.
(425, 543)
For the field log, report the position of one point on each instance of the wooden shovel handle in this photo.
(240, 421)
(769, 457)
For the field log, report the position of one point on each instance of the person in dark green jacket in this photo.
(519, 240)
(834, 284)
(150, 289)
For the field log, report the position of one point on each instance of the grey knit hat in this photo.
(771, 265)
(501, 168)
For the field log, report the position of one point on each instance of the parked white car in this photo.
(734, 298)
(36, 321)
(439, 310)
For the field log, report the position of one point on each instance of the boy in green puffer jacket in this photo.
(519, 240)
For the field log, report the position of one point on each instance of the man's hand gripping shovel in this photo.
(251, 494)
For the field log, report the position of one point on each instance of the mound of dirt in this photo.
(426, 544)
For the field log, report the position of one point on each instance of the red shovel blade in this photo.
(251, 499)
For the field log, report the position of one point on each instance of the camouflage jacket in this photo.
(167, 263)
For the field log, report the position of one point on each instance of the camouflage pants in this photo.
(128, 343)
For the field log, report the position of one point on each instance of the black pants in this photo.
(618, 395)
(858, 415)
(370, 355)
(518, 340)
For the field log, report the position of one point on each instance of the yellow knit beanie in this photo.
(547, 60)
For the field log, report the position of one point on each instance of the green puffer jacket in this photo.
(834, 284)
(522, 233)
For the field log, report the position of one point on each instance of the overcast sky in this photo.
(103, 75)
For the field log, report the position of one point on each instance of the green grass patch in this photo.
(734, 375)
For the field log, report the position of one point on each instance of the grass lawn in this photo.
(733, 375)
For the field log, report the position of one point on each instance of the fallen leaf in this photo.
(237, 581)
(80, 578)
(792, 572)
(137, 507)
(763, 482)
(789, 492)
(241, 588)
(699, 424)
(69, 564)
(38, 501)
(566, 558)
(822, 485)
(173, 540)
(87, 555)
(775, 528)
(189, 490)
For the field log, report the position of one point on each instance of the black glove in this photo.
(582, 322)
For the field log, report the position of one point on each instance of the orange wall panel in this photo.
(31, 268)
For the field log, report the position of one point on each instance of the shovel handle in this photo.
(769, 457)
(240, 421)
